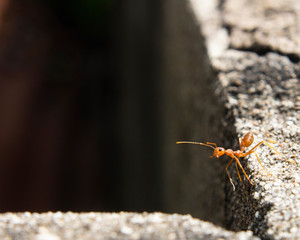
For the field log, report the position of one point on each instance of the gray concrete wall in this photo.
(193, 183)
(253, 50)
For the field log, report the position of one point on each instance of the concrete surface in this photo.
(263, 94)
(97, 226)
(264, 25)
(258, 82)
(253, 50)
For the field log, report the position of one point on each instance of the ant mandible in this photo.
(246, 141)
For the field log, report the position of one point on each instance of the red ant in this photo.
(246, 141)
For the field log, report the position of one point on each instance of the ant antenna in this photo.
(199, 143)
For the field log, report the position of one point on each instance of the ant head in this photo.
(218, 152)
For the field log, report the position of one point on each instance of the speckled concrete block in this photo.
(98, 226)
(257, 66)
(263, 97)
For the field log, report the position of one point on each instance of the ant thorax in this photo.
(229, 152)
(238, 153)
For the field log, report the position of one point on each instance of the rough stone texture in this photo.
(262, 92)
(97, 226)
(260, 89)
(264, 25)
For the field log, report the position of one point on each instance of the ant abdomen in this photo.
(248, 139)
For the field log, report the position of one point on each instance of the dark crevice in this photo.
(264, 50)
(228, 28)
(221, 4)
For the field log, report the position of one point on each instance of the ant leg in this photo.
(238, 162)
(279, 152)
(250, 151)
(237, 169)
(261, 164)
(229, 175)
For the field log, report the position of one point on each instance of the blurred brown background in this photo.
(79, 105)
